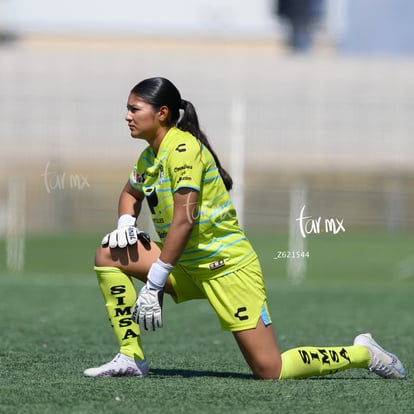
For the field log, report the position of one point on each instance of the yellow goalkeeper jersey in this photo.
(216, 245)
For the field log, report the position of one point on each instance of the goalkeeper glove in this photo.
(147, 311)
(125, 233)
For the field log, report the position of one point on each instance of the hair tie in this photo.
(183, 104)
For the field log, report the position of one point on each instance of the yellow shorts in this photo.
(238, 298)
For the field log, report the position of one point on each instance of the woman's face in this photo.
(143, 121)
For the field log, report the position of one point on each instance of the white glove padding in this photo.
(147, 311)
(126, 233)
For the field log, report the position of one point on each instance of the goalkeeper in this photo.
(202, 254)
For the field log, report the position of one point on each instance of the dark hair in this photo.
(160, 92)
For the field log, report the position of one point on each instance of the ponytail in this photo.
(189, 122)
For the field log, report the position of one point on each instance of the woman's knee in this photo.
(260, 350)
(135, 260)
(266, 369)
(103, 257)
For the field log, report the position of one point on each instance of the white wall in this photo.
(178, 17)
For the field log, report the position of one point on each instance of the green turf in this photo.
(54, 325)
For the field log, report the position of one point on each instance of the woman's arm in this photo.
(147, 309)
(185, 210)
(130, 201)
(129, 207)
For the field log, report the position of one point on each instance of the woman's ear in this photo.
(163, 113)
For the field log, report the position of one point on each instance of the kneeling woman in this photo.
(203, 252)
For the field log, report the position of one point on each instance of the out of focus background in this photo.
(308, 103)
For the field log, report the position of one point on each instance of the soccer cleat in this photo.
(382, 363)
(120, 366)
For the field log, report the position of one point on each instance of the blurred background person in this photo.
(302, 17)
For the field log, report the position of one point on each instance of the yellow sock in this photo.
(120, 295)
(309, 361)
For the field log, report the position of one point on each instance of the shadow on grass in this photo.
(188, 373)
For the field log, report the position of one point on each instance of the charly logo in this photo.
(181, 148)
(311, 225)
(240, 314)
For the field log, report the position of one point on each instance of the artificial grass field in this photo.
(53, 326)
